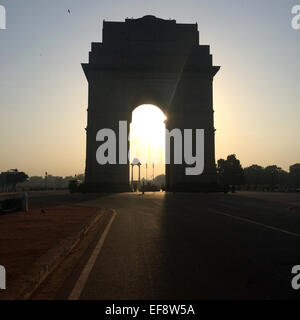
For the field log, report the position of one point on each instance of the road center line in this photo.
(80, 284)
(258, 223)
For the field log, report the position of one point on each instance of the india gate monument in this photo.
(150, 61)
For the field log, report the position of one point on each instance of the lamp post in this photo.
(153, 170)
(46, 180)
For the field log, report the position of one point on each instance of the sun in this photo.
(147, 137)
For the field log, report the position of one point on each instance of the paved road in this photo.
(194, 246)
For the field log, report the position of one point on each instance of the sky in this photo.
(43, 90)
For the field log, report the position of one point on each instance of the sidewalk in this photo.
(37, 240)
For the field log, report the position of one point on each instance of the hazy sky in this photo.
(43, 91)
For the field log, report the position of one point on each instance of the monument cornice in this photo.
(211, 70)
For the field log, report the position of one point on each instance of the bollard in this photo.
(25, 202)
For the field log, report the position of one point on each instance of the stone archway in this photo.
(150, 61)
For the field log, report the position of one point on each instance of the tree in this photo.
(271, 175)
(12, 177)
(160, 181)
(295, 175)
(2, 182)
(230, 172)
(80, 177)
(254, 176)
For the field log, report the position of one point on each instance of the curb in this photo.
(41, 269)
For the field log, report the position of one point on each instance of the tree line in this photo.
(255, 177)
(13, 180)
(231, 175)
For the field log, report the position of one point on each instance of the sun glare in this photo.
(147, 139)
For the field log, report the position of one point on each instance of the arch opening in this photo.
(147, 146)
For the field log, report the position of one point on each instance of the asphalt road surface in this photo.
(191, 246)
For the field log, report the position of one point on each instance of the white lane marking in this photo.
(258, 223)
(80, 284)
